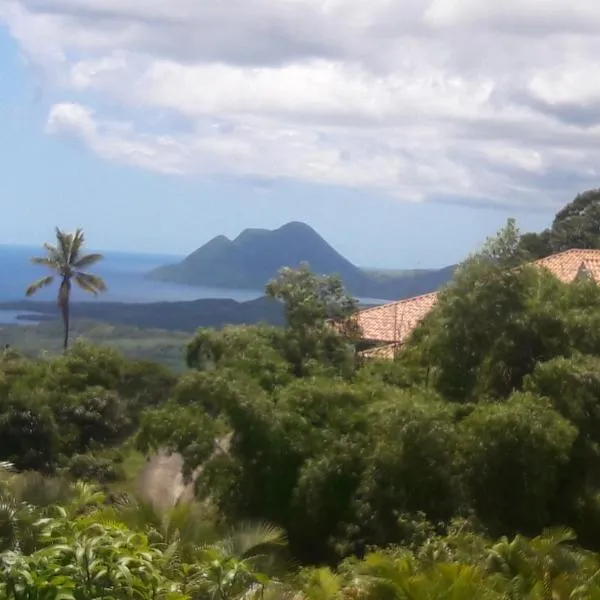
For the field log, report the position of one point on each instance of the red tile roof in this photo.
(566, 265)
(394, 322)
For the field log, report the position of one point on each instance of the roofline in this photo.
(569, 251)
(436, 292)
(397, 302)
(541, 263)
(573, 250)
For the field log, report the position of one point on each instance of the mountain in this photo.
(256, 255)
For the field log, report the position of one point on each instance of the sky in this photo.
(404, 132)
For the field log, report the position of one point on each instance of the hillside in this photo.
(254, 257)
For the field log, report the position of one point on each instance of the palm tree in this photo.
(66, 260)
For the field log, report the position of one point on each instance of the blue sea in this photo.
(123, 272)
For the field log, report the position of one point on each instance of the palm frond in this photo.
(50, 248)
(63, 245)
(53, 253)
(250, 538)
(86, 287)
(87, 260)
(87, 494)
(39, 284)
(45, 261)
(554, 536)
(77, 243)
(90, 283)
(139, 513)
(321, 584)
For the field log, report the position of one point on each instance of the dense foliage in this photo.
(577, 225)
(493, 423)
(74, 412)
(465, 468)
(71, 545)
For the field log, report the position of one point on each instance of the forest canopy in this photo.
(469, 463)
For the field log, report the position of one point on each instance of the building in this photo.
(388, 326)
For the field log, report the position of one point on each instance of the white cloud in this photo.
(483, 99)
(515, 16)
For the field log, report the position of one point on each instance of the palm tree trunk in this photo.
(64, 294)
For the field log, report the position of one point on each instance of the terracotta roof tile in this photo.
(394, 322)
(566, 265)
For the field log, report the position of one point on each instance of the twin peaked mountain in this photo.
(256, 255)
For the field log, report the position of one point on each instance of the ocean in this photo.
(123, 273)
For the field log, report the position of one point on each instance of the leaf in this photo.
(37, 285)
(87, 260)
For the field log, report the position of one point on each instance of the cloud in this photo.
(423, 99)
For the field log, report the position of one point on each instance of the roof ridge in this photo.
(569, 251)
(402, 301)
(557, 255)
(384, 324)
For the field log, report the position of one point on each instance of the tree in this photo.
(573, 386)
(252, 350)
(320, 329)
(29, 437)
(311, 299)
(503, 249)
(504, 318)
(67, 262)
(410, 467)
(512, 457)
(576, 225)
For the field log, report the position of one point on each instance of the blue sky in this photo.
(64, 163)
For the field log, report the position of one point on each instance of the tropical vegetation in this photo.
(468, 467)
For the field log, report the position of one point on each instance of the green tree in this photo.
(411, 467)
(502, 250)
(512, 458)
(187, 430)
(251, 350)
(320, 330)
(67, 261)
(94, 418)
(504, 317)
(573, 386)
(489, 329)
(279, 439)
(29, 436)
(576, 225)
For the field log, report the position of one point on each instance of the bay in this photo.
(124, 273)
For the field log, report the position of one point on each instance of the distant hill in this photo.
(256, 255)
(184, 316)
